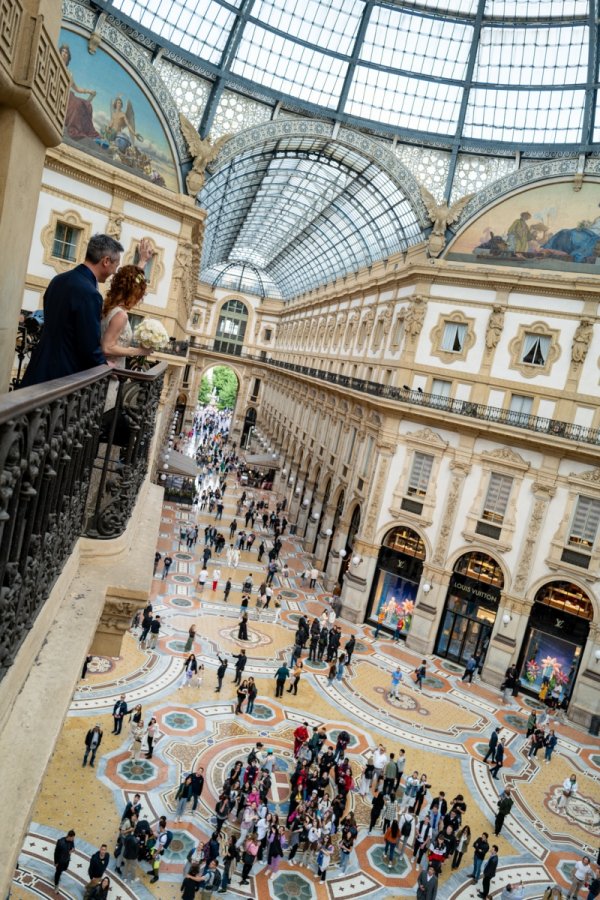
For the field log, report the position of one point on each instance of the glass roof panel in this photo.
(418, 44)
(303, 211)
(526, 117)
(460, 7)
(288, 67)
(536, 9)
(404, 102)
(328, 24)
(201, 26)
(532, 56)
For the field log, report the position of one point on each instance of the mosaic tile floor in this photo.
(444, 731)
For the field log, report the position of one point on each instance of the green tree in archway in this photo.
(226, 385)
(204, 394)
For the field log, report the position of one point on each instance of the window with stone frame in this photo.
(584, 523)
(496, 498)
(452, 337)
(534, 349)
(420, 473)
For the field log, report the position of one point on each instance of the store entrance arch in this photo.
(396, 582)
(557, 631)
(470, 608)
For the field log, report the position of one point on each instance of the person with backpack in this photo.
(407, 822)
(324, 856)
(420, 673)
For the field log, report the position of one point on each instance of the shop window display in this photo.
(396, 584)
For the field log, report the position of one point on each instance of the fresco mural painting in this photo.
(110, 116)
(546, 227)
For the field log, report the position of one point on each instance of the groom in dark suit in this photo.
(70, 339)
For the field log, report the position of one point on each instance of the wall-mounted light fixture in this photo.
(426, 587)
(506, 619)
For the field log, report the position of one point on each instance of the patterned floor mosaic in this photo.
(444, 730)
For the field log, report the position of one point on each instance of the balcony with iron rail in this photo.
(416, 398)
(72, 465)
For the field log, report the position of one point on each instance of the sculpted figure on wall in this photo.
(581, 341)
(183, 273)
(203, 151)
(442, 216)
(415, 316)
(366, 326)
(115, 223)
(339, 329)
(494, 328)
(382, 328)
(351, 330)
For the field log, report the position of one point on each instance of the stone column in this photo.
(585, 701)
(115, 621)
(428, 610)
(358, 580)
(34, 88)
(507, 638)
(295, 503)
(311, 527)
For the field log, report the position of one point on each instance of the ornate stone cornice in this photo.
(33, 78)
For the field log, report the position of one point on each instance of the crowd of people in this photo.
(423, 825)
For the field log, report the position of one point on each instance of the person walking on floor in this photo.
(505, 804)
(119, 712)
(281, 676)
(582, 875)
(427, 884)
(295, 679)
(420, 673)
(62, 855)
(167, 563)
(93, 739)
(489, 872)
(498, 758)
(395, 686)
(154, 632)
(480, 851)
(220, 672)
(492, 743)
(252, 695)
(240, 665)
(470, 669)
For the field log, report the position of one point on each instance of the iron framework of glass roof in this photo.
(495, 77)
(472, 72)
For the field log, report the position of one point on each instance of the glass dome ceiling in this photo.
(458, 90)
(476, 73)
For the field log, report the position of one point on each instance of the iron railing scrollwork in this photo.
(123, 458)
(68, 466)
(48, 441)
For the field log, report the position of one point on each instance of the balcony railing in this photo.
(466, 408)
(71, 464)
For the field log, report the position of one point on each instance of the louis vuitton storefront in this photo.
(556, 635)
(470, 609)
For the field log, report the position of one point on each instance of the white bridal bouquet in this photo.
(151, 334)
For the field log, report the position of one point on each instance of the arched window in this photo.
(231, 329)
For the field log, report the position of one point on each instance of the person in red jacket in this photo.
(300, 737)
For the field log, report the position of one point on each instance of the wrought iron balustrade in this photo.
(539, 424)
(124, 450)
(62, 475)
